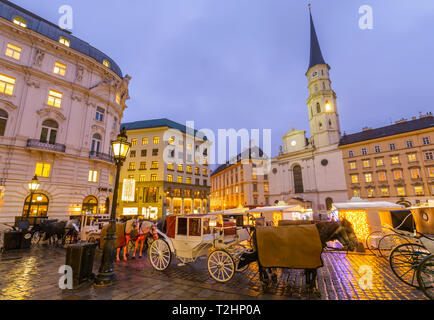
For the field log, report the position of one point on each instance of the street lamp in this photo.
(106, 275)
(33, 186)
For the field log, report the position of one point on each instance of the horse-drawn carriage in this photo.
(189, 237)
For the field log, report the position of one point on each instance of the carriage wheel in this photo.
(221, 266)
(388, 242)
(404, 261)
(425, 276)
(236, 253)
(369, 242)
(36, 237)
(160, 255)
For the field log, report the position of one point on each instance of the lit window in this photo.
(353, 165)
(170, 178)
(142, 165)
(132, 153)
(110, 179)
(196, 170)
(13, 51)
(368, 177)
(381, 176)
(59, 68)
(7, 84)
(395, 160)
(153, 177)
(189, 169)
(118, 98)
(366, 164)
(154, 165)
(106, 63)
(133, 142)
(188, 180)
(328, 107)
(144, 141)
(355, 178)
(412, 157)
(385, 192)
(42, 170)
(371, 193)
(20, 21)
(170, 166)
(400, 191)
(415, 173)
(156, 140)
(418, 190)
(132, 166)
(93, 176)
(54, 98)
(180, 168)
(204, 171)
(356, 193)
(172, 140)
(397, 174)
(431, 172)
(65, 41)
(142, 178)
(380, 162)
(179, 179)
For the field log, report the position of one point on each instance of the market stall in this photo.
(273, 214)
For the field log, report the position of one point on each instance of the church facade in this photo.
(311, 169)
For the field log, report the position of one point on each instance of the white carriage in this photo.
(189, 237)
(91, 226)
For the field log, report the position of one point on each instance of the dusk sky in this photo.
(242, 63)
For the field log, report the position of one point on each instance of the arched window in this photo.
(20, 21)
(329, 203)
(90, 205)
(107, 206)
(3, 121)
(96, 143)
(298, 179)
(318, 107)
(38, 205)
(49, 131)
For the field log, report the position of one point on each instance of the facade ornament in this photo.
(39, 57)
(79, 73)
(50, 111)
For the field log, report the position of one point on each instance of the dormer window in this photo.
(20, 21)
(106, 63)
(65, 41)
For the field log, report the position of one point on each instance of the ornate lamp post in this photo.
(33, 187)
(106, 275)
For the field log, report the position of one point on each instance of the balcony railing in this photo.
(34, 143)
(101, 156)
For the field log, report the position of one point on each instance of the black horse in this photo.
(328, 231)
(55, 230)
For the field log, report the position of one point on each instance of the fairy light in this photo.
(359, 220)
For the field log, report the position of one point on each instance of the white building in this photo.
(61, 103)
(312, 169)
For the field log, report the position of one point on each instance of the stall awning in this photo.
(357, 205)
(277, 209)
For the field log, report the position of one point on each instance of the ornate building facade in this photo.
(166, 172)
(61, 103)
(311, 169)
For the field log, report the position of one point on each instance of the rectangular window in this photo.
(144, 141)
(59, 68)
(356, 193)
(154, 165)
(189, 169)
(382, 176)
(412, 157)
(392, 146)
(204, 171)
(156, 140)
(142, 165)
(196, 170)
(431, 172)
(397, 174)
(93, 176)
(368, 177)
(99, 115)
(188, 180)
(364, 151)
(266, 188)
(377, 149)
(13, 51)
(154, 152)
(395, 160)
(153, 177)
(426, 140)
(353, 165)
(110, 179)
(418, 190)
(380, 162)
(42, 169)
(143, 153)
(170, 166)
(385, 192)
(170, 178)
(371, 193)
(132, 166)
(180, 168)
(429, 155)
(118, 98)
(142, 178)
(415, 173)
(133, 142)
(132, 153)
(179, 179)
(7, 84)
(355, 178)
(409, 144)
(54, 98)
(400, 191)
(366, 164)
(350, 154)
(205, 182)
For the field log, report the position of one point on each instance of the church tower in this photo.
(322, 108)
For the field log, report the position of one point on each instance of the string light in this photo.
(359, 220)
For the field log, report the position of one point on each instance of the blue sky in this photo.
(242, 63)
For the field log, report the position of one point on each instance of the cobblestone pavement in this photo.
(33, 274)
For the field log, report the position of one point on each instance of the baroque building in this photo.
(166, 172)
(61, 103)
(311, 169)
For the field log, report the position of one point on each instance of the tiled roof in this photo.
(394, 129)
(9, 10)
(250, 153)
(158, 123)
